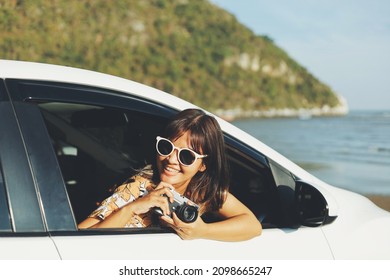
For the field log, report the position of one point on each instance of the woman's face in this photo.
(174, 173)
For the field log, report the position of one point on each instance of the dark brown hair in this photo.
(209, 187)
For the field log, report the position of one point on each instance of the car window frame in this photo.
(26, 92)
(5, 219)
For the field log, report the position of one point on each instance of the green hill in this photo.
(190, 48)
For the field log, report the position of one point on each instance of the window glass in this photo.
(285, 182)
(5, 224)
(252, 183)
(98, 148)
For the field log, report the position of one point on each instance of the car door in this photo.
(83, 141)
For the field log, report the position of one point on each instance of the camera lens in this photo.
(187, 213)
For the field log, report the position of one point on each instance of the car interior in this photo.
(98, 148)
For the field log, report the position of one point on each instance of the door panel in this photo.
(27, 248)
(305, 243)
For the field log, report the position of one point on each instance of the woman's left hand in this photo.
(186, 231)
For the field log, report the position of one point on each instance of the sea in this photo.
(350, 152)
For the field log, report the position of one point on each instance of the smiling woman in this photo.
(191, 161)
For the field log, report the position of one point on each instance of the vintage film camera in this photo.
(185, 209)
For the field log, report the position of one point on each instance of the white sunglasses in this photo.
(186, 156)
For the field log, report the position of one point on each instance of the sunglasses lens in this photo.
(186, 157)
(164, 147)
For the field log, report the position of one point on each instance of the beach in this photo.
(380, 200)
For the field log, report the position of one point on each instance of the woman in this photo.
(190, 160)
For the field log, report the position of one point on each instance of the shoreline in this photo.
(302, 113)
(383, 201)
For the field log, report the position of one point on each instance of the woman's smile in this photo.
(172, 170)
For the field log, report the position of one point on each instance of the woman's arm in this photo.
(239, 224)
(117, 219)
(120, 216)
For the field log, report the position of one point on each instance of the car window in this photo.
(100, 138)
(98, 148)
(5, 224)
(285, 186)
(253, 184)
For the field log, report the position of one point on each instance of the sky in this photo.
(343, 43)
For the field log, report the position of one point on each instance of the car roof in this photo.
(56, 73)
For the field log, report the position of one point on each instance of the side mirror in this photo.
(312, 207)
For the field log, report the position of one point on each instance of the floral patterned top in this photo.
(136, 187)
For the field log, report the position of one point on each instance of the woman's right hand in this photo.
(156, 198)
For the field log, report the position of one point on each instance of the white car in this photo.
(68, 136)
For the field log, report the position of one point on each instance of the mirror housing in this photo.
(312, 207)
